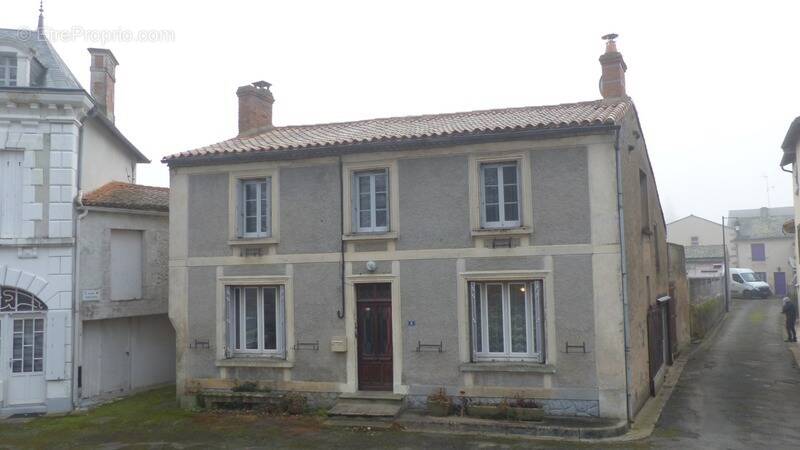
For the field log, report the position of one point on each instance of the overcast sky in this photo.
(716, 85)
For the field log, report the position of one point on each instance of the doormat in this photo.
(26, 415)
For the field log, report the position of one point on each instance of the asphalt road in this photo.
(740, 390)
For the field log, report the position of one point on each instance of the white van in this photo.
(745, 284)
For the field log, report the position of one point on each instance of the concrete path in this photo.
(742, 390)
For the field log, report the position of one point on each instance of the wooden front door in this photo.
(374, 328)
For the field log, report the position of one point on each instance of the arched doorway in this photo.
(22, 344)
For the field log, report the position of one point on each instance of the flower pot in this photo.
(486, 411)
(526, 414)
(438, 408)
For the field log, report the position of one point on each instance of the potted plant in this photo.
(525, 409)
(439, 403)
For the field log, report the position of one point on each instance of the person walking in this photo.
(790, 310)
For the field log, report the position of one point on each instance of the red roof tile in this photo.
(570, 115)
(121, 195)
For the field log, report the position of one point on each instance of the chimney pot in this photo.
(103, 79)
(255, 108)
(612, 80)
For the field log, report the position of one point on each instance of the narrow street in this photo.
(740, 390)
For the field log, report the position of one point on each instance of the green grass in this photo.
(154, 420)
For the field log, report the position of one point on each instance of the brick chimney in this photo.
(612, 81)
(103, 78)
(255, 108)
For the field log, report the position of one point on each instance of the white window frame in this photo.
(236, 235)
(280, 322)
(260, 197)
(356, 201)
(501, 203)
(6, 80)
(534, 312)
(354, 164)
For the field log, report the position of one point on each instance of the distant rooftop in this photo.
(704, 252)
(758, 212)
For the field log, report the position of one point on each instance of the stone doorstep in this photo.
(372, 395)
(567, 428)
(365, 408)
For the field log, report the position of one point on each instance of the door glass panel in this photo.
(270, 319)
(519, 328)
(27, 351)
(494, 303)
(251, 318)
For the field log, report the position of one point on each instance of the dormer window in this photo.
(8, 69)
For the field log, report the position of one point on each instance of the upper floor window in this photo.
(500, 205)
(256, 320)
(8, 69)
(371, 201)
(255, 207)
(507, 320)
(644, 199)
(757, 252)
(695, 240)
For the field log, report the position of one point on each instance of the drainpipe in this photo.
(340, 312)
(76, 262)
(623, 261)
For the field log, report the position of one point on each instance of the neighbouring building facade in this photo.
(56, 141)
(126, 340)
(761, 244)
(481, 252)
(703, 243)
(791, 143)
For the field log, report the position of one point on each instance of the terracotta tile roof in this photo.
(121, 195)
(570, 115)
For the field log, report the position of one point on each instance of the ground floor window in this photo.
(255, 320)
(507, 322)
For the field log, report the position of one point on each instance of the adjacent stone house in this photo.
(500, 253)
(125, 340)
(56, 141)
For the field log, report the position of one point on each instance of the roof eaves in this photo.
(790, 142)
(387, 144)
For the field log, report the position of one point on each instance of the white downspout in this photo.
(624, 270)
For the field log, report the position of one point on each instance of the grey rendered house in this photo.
(481, 252)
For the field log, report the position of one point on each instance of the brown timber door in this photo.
(374, 331)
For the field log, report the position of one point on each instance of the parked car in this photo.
(745, 284)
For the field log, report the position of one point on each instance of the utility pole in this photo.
(725, 266)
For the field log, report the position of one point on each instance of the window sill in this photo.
(500, 366)
(387, 236)
(482, 232)
(252, 241)
(243, 361)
